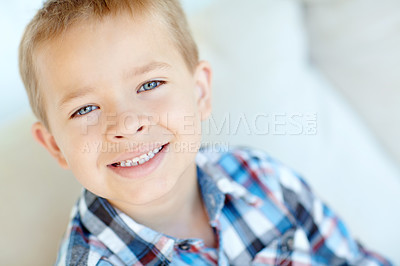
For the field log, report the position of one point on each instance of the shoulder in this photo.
(79, 246)
(280, 186)
(257, 171)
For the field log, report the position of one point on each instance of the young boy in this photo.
(120, 95)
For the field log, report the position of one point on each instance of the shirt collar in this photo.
(128, 240)
(213, 197)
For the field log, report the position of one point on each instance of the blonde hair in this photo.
(57, 16)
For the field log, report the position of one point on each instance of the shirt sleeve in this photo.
(329, 239)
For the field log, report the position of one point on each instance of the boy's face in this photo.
(115, 90)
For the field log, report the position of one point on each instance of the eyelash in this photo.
(141, 89)
(157, 84)
(92, 107)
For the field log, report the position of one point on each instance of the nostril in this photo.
(140, 129)
(118, 137)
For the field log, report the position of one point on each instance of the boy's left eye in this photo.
(150, 85)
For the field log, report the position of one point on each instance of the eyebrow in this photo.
(134, 72)
(146, 69)
(74, 94)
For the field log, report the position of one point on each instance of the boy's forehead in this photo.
(137, 27)
(92, 46)
(143, 36)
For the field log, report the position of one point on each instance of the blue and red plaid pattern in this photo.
(262, 212)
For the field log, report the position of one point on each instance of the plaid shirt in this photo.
(261, 211)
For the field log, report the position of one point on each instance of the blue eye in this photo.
(85, 110)
(150, 85)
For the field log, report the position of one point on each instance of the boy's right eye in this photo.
(84, 110)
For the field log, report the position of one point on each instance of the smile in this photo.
(142, 159)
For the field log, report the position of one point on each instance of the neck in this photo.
(175, 210)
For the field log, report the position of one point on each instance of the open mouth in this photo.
(142, 159)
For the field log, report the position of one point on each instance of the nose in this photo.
(120, 127)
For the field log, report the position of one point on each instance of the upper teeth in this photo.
(140, 159)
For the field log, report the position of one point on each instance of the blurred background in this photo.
(314, 83)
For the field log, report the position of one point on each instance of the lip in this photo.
(142, 170)
(131, 155)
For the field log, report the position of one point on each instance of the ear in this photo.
(46, 139)
(203, 77)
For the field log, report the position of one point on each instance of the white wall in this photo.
(14, 15)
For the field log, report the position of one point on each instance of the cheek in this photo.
(84, 165)
(84, 141)
(180, 116)
(180, 105)
(84, 155)
(185, 124)
(81, 146)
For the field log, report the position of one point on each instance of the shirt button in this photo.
(287, 245)
(290, 243)
(184, 245)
